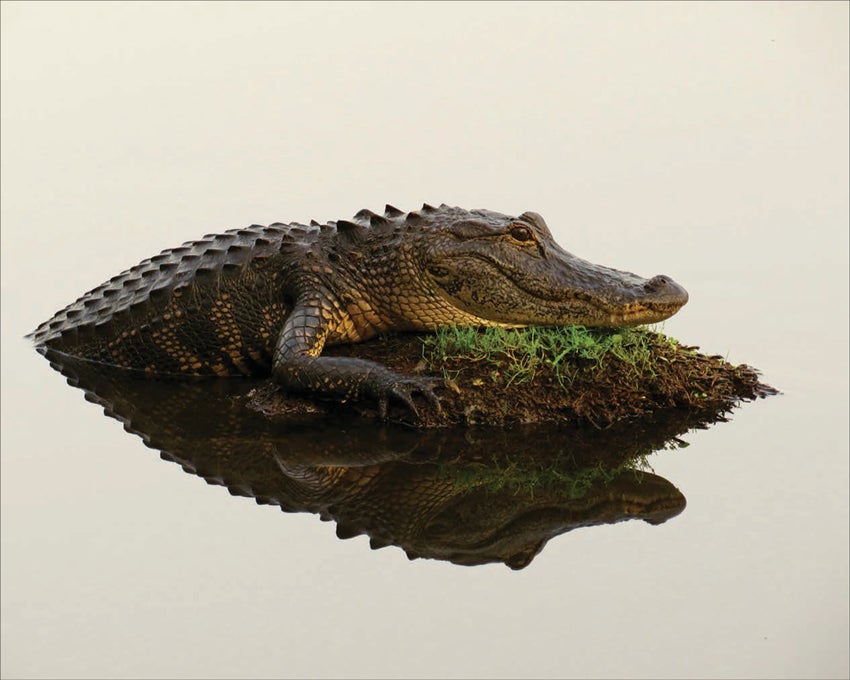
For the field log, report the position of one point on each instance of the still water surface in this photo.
(706, 142)
(467, 495)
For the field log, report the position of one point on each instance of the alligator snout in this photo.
(665, 290)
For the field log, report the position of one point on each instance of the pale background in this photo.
(704, 141)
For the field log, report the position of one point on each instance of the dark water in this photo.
(469, 496)
(708, 142)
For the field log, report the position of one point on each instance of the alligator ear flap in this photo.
(392, 211)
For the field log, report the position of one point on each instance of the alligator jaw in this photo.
(654, 308)
(641, 314)
(561, 291)
(610, 298)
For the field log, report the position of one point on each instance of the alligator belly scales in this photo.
(265, 300)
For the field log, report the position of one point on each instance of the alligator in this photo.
(266, 300)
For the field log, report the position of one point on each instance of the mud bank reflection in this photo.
(468, 496)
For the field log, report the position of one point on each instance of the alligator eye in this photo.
(520, 233)
(438, 272)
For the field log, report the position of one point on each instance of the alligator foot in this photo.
(348, 379)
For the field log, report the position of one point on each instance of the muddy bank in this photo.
(596, 377)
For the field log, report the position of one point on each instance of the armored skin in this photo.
(267, 299)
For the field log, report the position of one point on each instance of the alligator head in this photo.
(503, 270)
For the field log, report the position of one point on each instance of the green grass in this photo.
(494, 477)
(517, 355)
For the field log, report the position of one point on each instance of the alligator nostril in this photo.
(663, 286)
(657, 283)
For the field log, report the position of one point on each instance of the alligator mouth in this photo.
(627, 313)
(562, 292)
(643, 313)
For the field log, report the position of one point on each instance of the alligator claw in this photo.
(402, 391)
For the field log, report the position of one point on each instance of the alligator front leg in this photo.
(298, 368)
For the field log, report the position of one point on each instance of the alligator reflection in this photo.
(466, 496)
